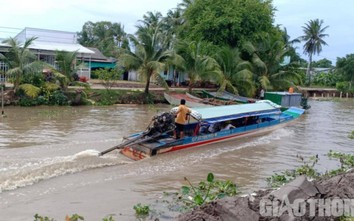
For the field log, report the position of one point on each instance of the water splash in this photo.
(30, 171)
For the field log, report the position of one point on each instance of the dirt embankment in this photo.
(325, 199)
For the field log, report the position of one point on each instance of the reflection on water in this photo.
(49, 157)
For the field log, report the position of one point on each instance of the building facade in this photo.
(48, 42)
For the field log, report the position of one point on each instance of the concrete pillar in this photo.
(314, 94)
(322, 95)
(341, 94)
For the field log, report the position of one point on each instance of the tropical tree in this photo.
(226, 22)
(20, 60)
(345, 67)
(149, 55)
(66, 62)
(314, 33)
(235, 74)
(322, 63)
(151, 19)
(268, 66)
(195, 62)
(108, 37)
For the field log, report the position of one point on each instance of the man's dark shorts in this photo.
(179, 127)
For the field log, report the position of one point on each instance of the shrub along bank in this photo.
(82, 97)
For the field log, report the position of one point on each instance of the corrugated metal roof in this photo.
(51, 46)
(231, 110)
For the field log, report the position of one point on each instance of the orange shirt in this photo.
(182, 114)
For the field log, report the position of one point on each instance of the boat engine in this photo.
(161, 123)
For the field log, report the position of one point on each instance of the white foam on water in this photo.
(30, 171)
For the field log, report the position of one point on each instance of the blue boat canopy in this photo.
(224, 113)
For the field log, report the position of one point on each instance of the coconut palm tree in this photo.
(270, 72)
(235, 74)
(314, 32)
(66, 62)
(20, 59)
(195, 62)
(149, 55)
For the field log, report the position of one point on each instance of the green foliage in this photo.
(63, 80)
(234, 75)
(343, 86)
(345, 67)
(108, 76)
(30, 90)
(107, 97)
(323, 63)
(41, 218)
(141, 210)
(346, 218)
(66, 63)
(326, 79)
(346, 161)
(57, 98)
(74, 217)
(36, 79)
(108, 218)
(104, 35)
(228, 22)
(206, 191)
(307, 168)
(20, 60)
(351, 135)
(195, 61)
(314, 34)
(150, 54)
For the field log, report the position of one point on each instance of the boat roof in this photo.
(223, 113)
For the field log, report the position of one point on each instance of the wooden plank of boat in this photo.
(175, 99)
(213, 101)
(269, 115)
(228, 96)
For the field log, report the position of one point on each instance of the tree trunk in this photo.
(308, 72)
(147, 84)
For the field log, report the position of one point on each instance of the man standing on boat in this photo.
(181, 118)
(261, 94)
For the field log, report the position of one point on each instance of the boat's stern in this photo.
(134, 153)
(295, 112)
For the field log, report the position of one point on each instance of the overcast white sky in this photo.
(70, 15)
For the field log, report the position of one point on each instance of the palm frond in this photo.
(51, 86)
(30, 90)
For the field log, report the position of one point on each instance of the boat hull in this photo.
(202, 140)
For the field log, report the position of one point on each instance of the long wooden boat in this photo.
(246, 120)
(193, 101)
(228, 97)
(175, 99)
(212, 101)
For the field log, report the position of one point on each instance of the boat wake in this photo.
(25, 172)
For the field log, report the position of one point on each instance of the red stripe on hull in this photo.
(204, 142)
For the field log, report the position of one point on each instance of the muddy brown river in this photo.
(49, 160)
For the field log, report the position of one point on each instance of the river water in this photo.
(49, 160)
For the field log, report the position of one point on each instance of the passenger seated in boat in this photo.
(227, 126)
(203, 128)
(214, 128)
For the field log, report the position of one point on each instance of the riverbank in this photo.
(95, 93)
(324, 199)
